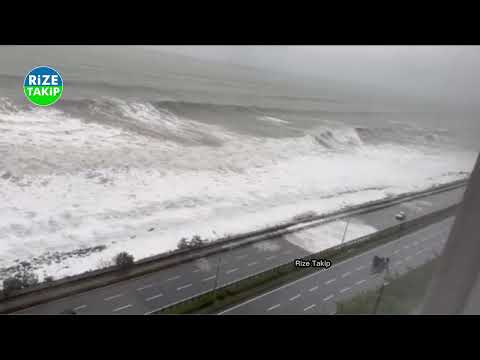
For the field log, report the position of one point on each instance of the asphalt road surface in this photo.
(147, 293)
(318, 292)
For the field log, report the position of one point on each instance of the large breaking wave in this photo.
(103, 171)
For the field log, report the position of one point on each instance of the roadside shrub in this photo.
(19, 281)
(196, 241)
(28, 279)
(183, 244)
(11, 284)
(123, 260)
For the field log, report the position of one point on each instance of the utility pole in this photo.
(218, 273)
(216, 276)
(345, 232)
(377, 302)
(380, 293)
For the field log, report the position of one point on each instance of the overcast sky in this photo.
(448, 73)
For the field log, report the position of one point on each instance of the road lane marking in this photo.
(252, 263)
(313, 288)
(295, 297)
(273, 307)
(408, 258)
(210, 278)
(309, 307)
(174, 278)
(406, 246)
(346, 274)
(112, 297)
(80, 307)
(270, 257)
(330, 281)
(360, 282)
(364, 255)
(153, 297)
(345, 289)
(386, 283)
(122, 308)
(419, 252)
(399, 262)
(195, 271)
(144, 287)
(415, 243)
(231, 271)
(360, 268)
(396, 251)
(328, 297)
(184, 287)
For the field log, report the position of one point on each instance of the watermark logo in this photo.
(43, 86)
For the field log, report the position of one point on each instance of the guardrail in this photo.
(348, 249)
(93, 279)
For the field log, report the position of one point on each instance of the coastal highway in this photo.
(318, 292)
(144, 294)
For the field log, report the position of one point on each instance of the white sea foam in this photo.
(66, 183)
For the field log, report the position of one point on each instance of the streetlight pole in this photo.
(345, 232)
(380, 293)
(218, 273)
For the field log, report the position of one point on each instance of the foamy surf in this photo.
(138, 177)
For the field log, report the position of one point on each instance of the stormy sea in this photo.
(135, 157)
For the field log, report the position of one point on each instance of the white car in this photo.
(400, 216)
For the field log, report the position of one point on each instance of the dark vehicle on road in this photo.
(380, 264)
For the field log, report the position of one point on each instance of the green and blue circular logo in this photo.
(43, 86)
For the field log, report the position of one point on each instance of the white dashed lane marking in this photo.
(144, 287)
(295, 297)
(174, 278)
(328, 297)
(112, 297)
(309, 307)
(273, 307)
(153, 297)
(122, 308)
(184, 287)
